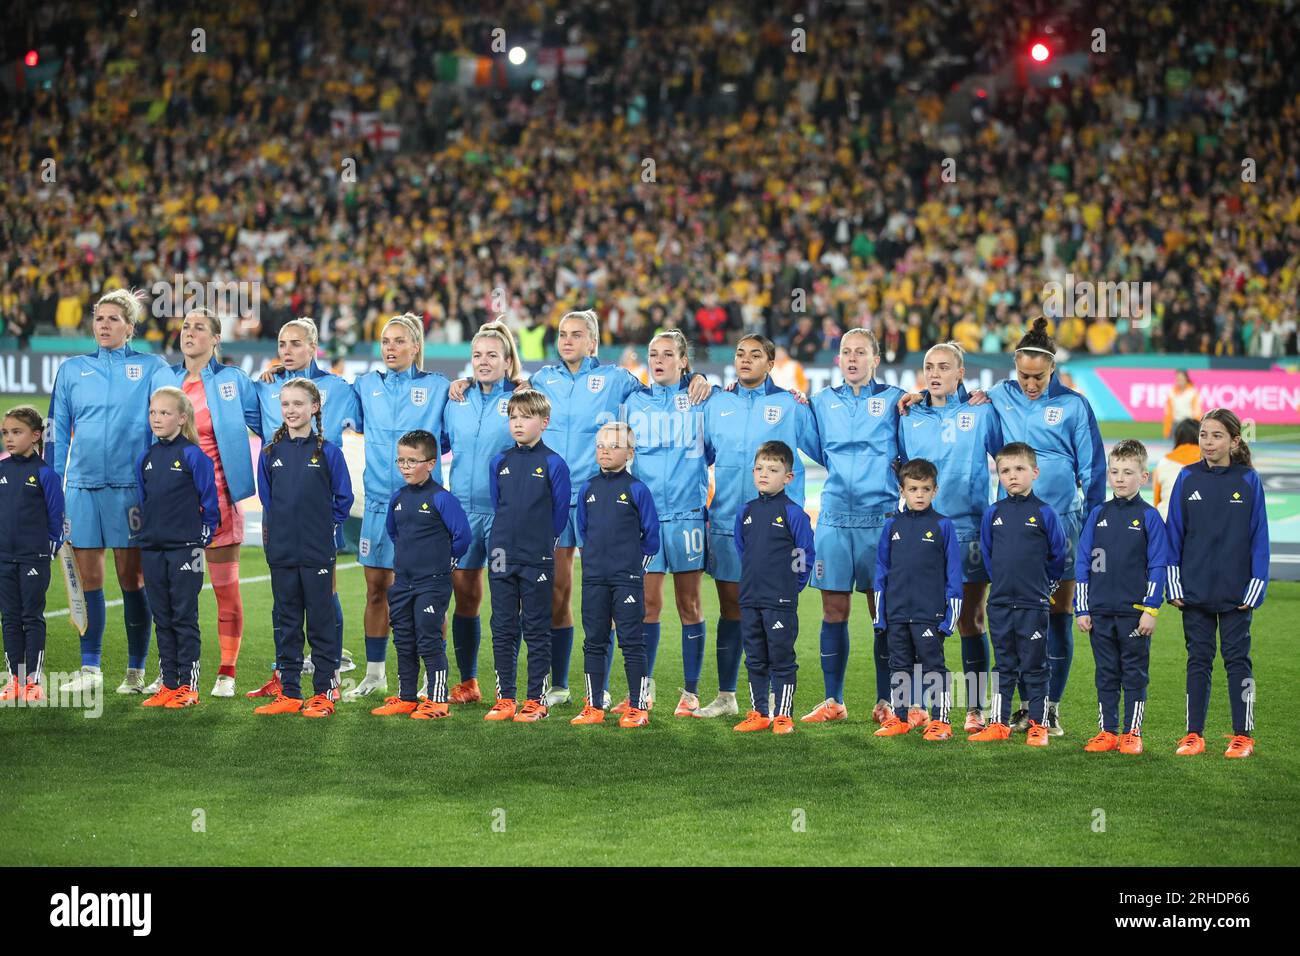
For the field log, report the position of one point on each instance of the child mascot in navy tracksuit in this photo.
(1119, 584)
(31, 531)
(619, 527)
(774, 538)
(529, 486)
(918, 589)
(179, 514)
(1024, 549)
(306, 492)
(1218, 574)
(429, 531)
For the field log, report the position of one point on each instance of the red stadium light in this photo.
(1040, 52)
(32, 58)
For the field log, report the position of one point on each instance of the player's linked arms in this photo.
(460, 386)
(977, 397)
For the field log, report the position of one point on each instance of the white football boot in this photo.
(224, 687)
(723, 705)
(374, 680)
(89, 679)
(133, 682)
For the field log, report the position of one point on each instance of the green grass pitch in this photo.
(215, 785)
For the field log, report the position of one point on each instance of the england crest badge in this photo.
(772, 414)
(595, 383)
(419, 395)
(1053, 415)
(134, 372)
(227, 391)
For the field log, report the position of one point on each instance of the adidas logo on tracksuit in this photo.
(1036, 636)
(430, 610)
(1102, 523)
(629, 600)
(33, 572)
(1194, 496)
(997, 522)
(778, 626)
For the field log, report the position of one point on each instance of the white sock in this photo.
(375, 669)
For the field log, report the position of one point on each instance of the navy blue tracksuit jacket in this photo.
(429, 531)
(1218, 546)
(306, 493)
(918, 587)
(1119, 574)
(1024, 551)
(530, 490)
(177, 489)
(619, 527)
(31, 531)
(775, 541)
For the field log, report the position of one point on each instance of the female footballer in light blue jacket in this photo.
(584, 394)
(959, 438)
(298, 344)
(736, 424)
(103, 400)
(1036, 408)
(476, 431)
(400, 399)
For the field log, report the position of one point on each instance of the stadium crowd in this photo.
(796, 194)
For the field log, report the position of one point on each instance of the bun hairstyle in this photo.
(308, 386)
(414, 326)
(129, 301)
(214, 324)
(955, 348)
(1232, 424)
(501, 332)
(863, 331)
(183, 406)
(30, 417)
(308, 327)
(1036, 341)
(678, 339)
(593, 325)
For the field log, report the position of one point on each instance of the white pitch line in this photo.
(257, 579)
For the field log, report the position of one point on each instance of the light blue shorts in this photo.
(1072, 526)
(375, 549)
(723, 560)
(101, 517)
(682, 546)
(569, 536)
(480, 527)
(845, 558)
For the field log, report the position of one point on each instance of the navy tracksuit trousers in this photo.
(1123, 659)
(417, 611)
(22, 608)
(1234, 643)
(768, 635)
(909, 643)
(625, 604)
(1019, 638)
(173, 578)
(521, 603)
(306, 592)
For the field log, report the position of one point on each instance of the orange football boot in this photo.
(634, 717)
(13, 690)
(783, 725)
(1190, 746)
(589, 715)
(893, 727)
(974, 722)
(1130, 743)
(272, 688)
(1102, 743)
(531, 712)
(937, 730)
(185, 696)
(753, 721)
(160, 699)
(882, 711)
(688, 705)
(1037, 736)
(431, 710)
(34, 691)
(394, 707)
(622, 706)
(503, 709)
(319, 705)
(1241, 746)
(993, 731)
(917, 717)
(466, 692)
(281, 705)
(828, 710)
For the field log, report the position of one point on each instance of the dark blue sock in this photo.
(609, 659)
(835, 657)
(1060, 654)
(880, 651)
(561, 650)
(338, 619)
(728, 655)
(139, 625)
(650, 633)
(92, 642)
(692, 656)
(975, 668)
(376, 649)
(466, 632)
